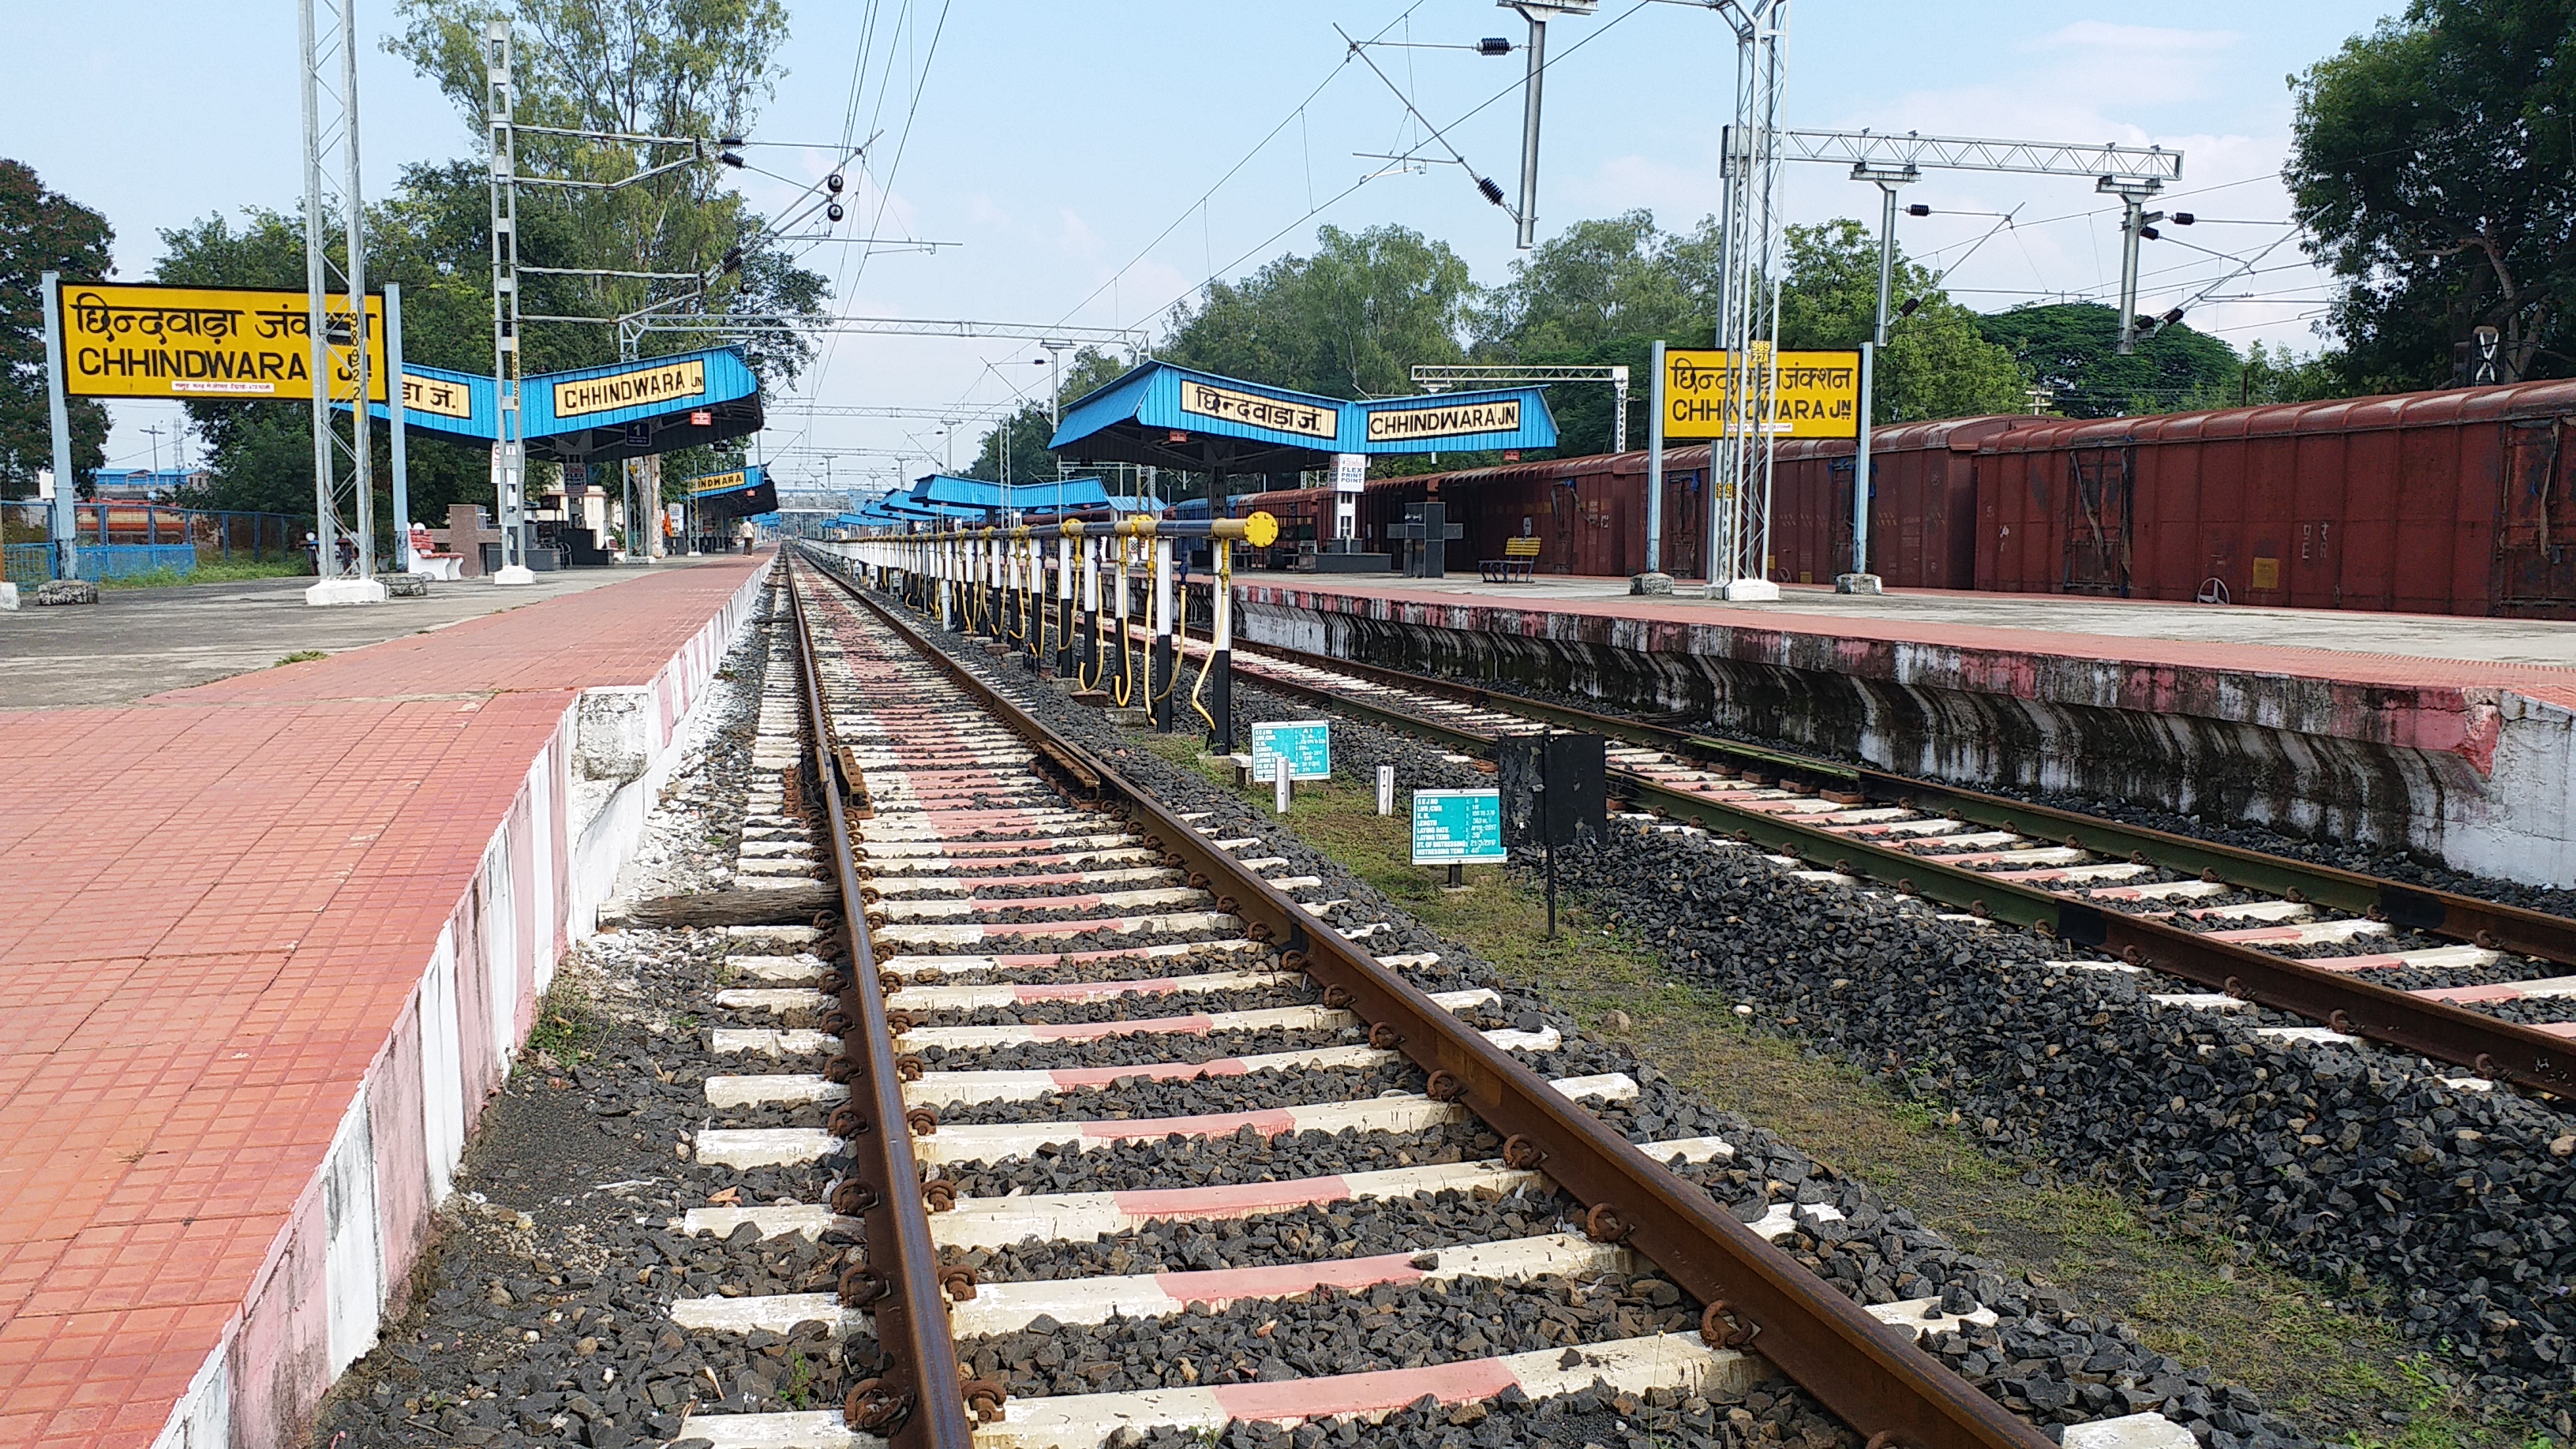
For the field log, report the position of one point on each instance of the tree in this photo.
(259, 455)
(1349, 321)
(1598, 295)
(42, 231)
(2278, 375)
(1937, 362)
(2072, 348)
(2434, 163)
(682, 68)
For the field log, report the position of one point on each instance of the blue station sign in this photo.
(1458, 827)
(1306, 744)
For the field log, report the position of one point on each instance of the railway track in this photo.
(1076, 1030)
(2472, 984)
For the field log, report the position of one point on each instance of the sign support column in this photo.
(394, 412)
(65, 528)
(1654, 580)
(1861, 580)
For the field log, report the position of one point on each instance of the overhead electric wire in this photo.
(1245, 160)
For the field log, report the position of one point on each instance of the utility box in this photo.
(1555, 788)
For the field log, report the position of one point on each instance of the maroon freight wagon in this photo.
(2454, 502)
(1588, 513)
(1922, 509)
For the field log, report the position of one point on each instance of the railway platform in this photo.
(2453, 737)
(272, 939)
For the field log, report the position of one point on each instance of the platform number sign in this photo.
(1306, 744)
(1458, 827)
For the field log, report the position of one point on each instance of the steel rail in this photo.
(1878, 1382)
(918, 1403)
(2490, 1046)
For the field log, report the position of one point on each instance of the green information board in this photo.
(1458, 827)
(1307, 745)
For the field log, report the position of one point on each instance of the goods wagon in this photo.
(1922, 509)
(1588, 514)
(2437, 502)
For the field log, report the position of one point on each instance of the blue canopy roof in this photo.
(616, 410)
(1166, 416)
(983, 494)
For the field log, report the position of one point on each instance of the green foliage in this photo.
(42, 231)
(2073, 348)
(671, 67)
(2435, 165)
(1937, 363)
(2278, 375)
(693, 68)
(1599, 295)
(259, 455)
(1349, 321)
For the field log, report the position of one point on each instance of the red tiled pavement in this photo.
(1752, 626)
(223, 897)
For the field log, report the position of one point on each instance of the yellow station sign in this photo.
(206, 343)
(1394, 425)
(1816, 394)
(1255, 410)
(436, 395)
(666, 382)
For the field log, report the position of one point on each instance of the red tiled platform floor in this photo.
(219, 901)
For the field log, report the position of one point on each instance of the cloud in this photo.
(2105, 35)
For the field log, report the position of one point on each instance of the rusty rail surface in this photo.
(2488, 1045)
(1878, 1381)
(918, 1402)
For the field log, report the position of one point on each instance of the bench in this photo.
(1518, 563)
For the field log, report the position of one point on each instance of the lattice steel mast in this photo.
(329, 73)
(1748, 312)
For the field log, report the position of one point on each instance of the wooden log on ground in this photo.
(770, 906)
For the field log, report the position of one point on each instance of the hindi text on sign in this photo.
(145, 341)
(437, 395)
(1811, 394)
(1254, 410)
(640, 388)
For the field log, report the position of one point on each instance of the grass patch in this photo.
(218, 571)
(568, 1020)
(301, 656)
(2198, 1297)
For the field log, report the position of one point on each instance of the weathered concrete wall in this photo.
(2477, 778)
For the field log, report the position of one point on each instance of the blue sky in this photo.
(1058, 142)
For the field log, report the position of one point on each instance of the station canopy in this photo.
(1164, 416)
(742, 493)
(594, 414)
(992, 501)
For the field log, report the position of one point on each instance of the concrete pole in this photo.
(1861, 580)
(66, 527)
(1654, 474)
(1529, 129)
(394, 413)
(1159, 674)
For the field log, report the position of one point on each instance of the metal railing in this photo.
(119, 538)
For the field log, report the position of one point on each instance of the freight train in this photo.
(2454, 502)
